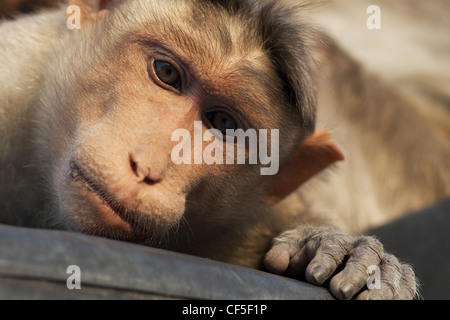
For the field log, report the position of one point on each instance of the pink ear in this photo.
(91, 9)
(315, 154)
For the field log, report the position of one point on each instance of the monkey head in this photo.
(136, 72)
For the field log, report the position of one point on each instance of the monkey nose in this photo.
(149, 170)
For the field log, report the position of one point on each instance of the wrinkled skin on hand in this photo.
(318, 254)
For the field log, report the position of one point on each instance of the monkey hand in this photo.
(357, 266)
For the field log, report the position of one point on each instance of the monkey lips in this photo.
(112, 213)
(119, 221)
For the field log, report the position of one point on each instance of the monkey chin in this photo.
(91, 210)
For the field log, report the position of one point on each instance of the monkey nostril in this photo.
(149, 181)
(134, 166)
(143, 175)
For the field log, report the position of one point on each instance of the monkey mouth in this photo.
(112, 212)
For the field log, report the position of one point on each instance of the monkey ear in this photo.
(91, 10)
(315, 154)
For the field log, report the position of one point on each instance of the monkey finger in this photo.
(408, 284)
(284, 250)
(386, 283)
(277, 259)
(328, 251)
(367, 252)
(297, 265)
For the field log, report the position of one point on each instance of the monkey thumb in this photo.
(277, 260)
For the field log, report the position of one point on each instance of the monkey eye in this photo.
(222, 121)
(168, 74)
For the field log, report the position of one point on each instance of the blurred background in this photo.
(411, 50)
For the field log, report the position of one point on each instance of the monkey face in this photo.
(115, 114)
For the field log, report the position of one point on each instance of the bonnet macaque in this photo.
(87, 122)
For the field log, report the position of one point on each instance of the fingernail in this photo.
(346, 290)
(319, 274)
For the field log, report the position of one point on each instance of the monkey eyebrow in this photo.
(248, 77)
(155, 46)
(254, 74)
(181, 43)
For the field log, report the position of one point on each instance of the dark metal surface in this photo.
(33, 265)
